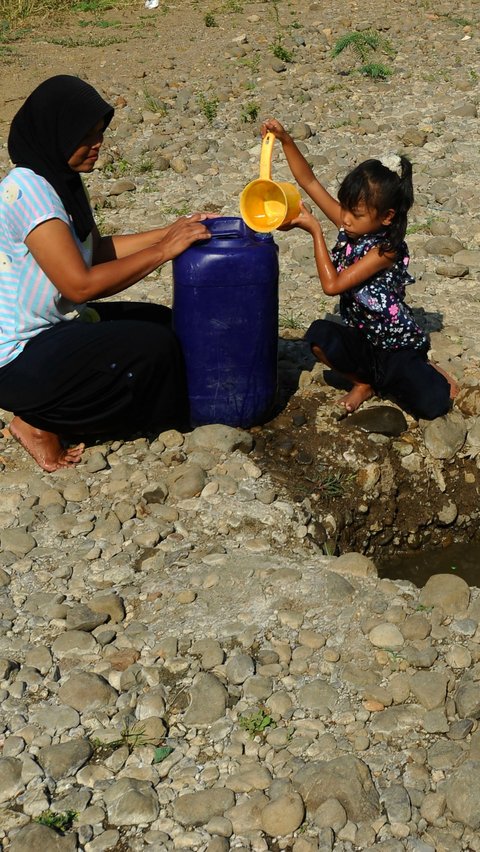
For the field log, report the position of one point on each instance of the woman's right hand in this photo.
(183, 233)
(271, 125)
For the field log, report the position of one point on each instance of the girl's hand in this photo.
(305, 220)
(271, 125)
(185, 231)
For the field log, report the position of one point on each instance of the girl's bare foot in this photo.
(43, 446)
(354, 398)
(454, 387)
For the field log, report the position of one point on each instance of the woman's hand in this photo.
(183, 233)
(271, 125)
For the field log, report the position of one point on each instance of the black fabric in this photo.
(405, 375)
(113, 378)
(46, 131)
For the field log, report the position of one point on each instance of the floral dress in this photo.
(377, 307)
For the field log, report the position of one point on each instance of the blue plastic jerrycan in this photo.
(225, 314)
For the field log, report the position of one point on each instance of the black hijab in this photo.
(46, 131)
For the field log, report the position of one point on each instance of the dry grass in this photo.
(17, 12)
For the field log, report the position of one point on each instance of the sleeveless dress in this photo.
(379, 341)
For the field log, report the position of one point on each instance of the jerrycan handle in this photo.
(266, 156)
(227, 227)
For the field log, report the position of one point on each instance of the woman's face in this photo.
(85, 156)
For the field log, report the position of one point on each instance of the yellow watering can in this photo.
(264, 203)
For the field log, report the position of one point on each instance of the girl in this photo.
(379, 348)
(61, 376)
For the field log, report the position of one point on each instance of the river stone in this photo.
(86, 691)
(395, 721)
(225, 439)
(110, 604)
(468, 401)
(445, 436)
(18, 541)
(443, 245)
(397, 804)
(63, 759)
(470, 257)
(447, 591)
(256, 777)
(187, 481)
(198, 808)
(10, 778)
(208, 700)
(429, 688)
(81, 617)
(239, 667)
(318, 695)
(73, 642)
(282, 815)
(452, 270)
(347, 779)
(330, 814)
(386, 635)
(467, 700)
(245, 816)
(355, 564)
(39, 838)
(463, 794)
(131, 801)
(379, 419)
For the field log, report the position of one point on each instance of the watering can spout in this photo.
(266, 204)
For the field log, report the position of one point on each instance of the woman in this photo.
(62, 374)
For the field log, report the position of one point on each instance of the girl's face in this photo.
(85, 155)
(363, 220)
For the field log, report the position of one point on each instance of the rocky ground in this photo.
(196, 648)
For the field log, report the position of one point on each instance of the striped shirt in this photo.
(29, 302)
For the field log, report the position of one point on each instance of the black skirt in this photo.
(121, 376)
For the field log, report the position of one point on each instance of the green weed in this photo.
(232, 6)
(209, 20)
(208, 106)
(153, 104)
(364, 44)
(60, 822)
(92, 42)
(182, 210)
(290, 321)
(280, 51)
(375, 70)
(250, 112)
(257, 723)
(335, 484)
(92, 6)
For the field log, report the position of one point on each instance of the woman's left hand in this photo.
(184, 232)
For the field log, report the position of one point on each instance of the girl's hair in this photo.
(381, 189)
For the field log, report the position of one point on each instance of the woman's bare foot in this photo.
(354, 398)
(43, 446)
(454, 387)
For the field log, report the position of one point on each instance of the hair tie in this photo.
(393, 163)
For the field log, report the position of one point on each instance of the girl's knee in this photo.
(434, 403)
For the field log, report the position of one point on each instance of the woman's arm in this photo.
(55, 250)
(333, 282)
(121, 245)
(303, 173)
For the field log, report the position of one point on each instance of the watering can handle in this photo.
(266, 156)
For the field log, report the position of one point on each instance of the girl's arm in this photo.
(52, 245)
(334, 282)
(303, 173)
